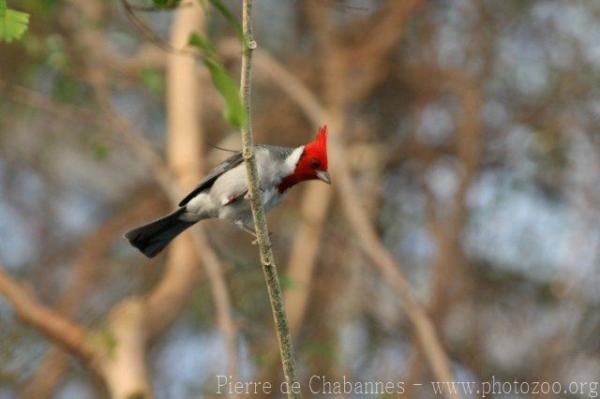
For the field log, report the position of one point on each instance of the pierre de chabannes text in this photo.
(323, 385)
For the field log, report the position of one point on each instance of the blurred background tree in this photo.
(469, 127)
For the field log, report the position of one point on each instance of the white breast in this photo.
(233, 184)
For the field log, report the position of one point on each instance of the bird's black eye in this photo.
(315, 163)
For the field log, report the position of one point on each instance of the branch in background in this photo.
(260, 223)
(55, 363)
(144, 151)
(297, 91)
(301, 102)
(124, 369)
(58, 329)
(370, 243)
(373, 247)
(37, 100)
(338, 76)
(148, 33)
(384, 30)
(135, 321)
(448, 230)
(361, 225)
(185, 152)
(303, 255)
(169, 297)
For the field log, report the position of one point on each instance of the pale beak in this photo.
(324, 176)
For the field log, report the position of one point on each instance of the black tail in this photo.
(153, 237)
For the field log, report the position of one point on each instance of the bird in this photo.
(223, 193)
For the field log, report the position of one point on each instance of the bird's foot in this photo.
(251, 231)
(255, 242)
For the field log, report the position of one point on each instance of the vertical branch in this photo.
(185, 149)
(124, 368)
(260, 223)
(303, 255)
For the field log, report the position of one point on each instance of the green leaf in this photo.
(203, 44)
(13, 24)
(234, 112)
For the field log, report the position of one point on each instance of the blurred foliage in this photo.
(100, 151)
(153, 80)
(13, 24)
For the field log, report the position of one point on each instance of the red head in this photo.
(312, 163)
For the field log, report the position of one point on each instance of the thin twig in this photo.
(152, 36)
(260, 223)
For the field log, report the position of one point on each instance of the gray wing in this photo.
(209, 180)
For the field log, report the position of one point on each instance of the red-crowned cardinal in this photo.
(223, 193)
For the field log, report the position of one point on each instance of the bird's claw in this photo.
(255, 242)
